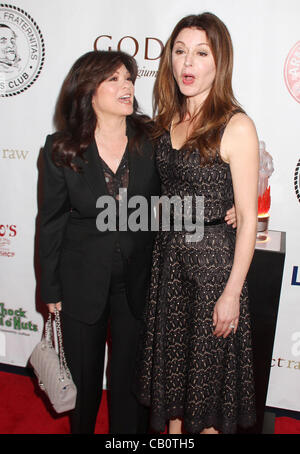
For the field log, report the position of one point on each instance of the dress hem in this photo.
(227, 426)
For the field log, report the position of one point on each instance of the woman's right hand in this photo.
(53, 306)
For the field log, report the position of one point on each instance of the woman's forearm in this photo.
(244, 249)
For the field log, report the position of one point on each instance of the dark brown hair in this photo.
(170, 103)
(75, 119)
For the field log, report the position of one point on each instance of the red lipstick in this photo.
(188, 79)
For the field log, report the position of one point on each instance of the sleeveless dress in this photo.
(184, 371)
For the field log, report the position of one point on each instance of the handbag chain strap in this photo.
(49, 339)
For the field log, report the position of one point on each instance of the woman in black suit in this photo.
(92, 274)
(101, 146)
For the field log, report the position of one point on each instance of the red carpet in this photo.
(24, 410)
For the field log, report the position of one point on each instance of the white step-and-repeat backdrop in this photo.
(40, 40)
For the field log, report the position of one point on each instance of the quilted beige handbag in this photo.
(51, 368)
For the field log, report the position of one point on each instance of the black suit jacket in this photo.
(76, 257)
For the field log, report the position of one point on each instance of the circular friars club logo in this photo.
(297, 180)
(22, 50)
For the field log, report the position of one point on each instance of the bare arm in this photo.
(240, 148)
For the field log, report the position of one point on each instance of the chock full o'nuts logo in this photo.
(22, 50)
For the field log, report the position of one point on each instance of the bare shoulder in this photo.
(240, 134)
(240, 123)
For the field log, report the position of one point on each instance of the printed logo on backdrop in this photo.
(15, 320)
(292, 72)
(150, 49)
(17, 155)
(297, 180)
(7, 235)
(295, 279)
(22, 50)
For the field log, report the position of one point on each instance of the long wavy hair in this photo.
(169, 103)
(75, 119)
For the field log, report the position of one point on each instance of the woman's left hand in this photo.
(230, 217)
(226, 315)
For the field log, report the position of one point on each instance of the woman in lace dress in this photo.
(195, 369)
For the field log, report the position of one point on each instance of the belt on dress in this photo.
(215, 222)
(218, 221)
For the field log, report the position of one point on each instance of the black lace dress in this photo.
(184, 371)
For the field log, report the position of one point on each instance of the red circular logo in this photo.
(292, 72)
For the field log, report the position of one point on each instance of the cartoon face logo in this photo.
(8, 49)
(22, 50)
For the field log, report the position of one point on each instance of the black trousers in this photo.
(84, 347)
